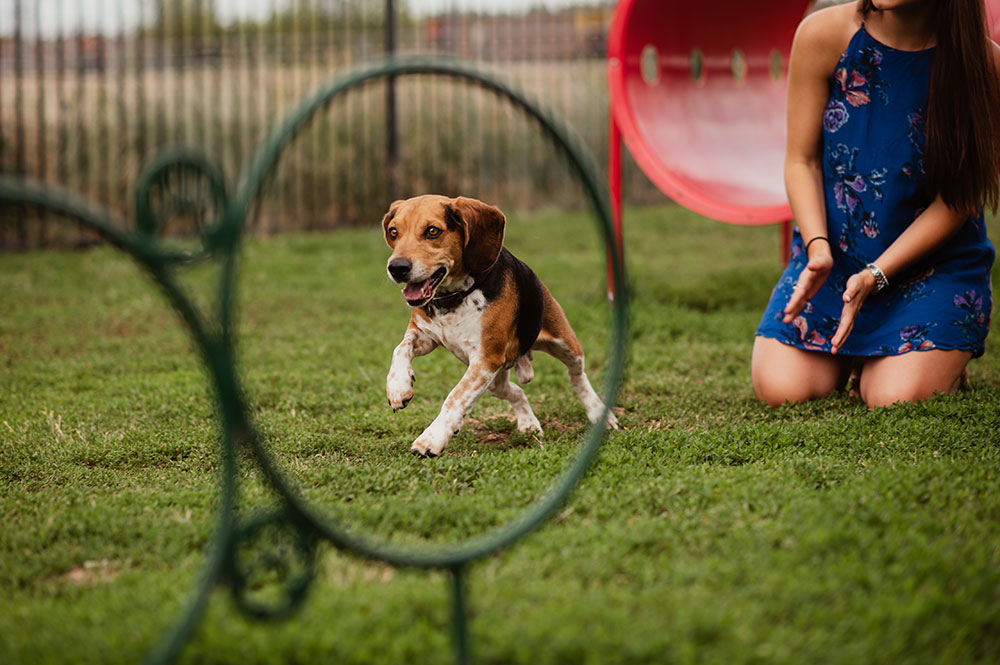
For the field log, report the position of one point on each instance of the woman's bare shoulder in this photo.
(827, 32)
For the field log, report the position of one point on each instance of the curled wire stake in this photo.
(214, 338)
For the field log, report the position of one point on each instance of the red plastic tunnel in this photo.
(993, 19)
(698, 95)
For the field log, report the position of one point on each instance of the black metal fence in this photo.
(89, 94)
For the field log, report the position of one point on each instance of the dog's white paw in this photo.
(399, 389)
(428, 446)
(528, 423)
(433, 439)
(594, 416)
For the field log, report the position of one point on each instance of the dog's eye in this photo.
(393, 233)
(432, 232)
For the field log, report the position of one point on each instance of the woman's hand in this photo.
(859, 286)
(810, 280)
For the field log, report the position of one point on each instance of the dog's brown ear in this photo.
(388, 218)
(483, 226)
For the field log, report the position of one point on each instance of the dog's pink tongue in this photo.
(416, 290)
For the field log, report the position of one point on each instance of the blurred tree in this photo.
(326, 13)
(178, 18)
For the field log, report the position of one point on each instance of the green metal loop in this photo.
(180, 181)
(581, 161)
(271, 546)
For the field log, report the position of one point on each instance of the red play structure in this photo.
(993, 18)
(698, 95)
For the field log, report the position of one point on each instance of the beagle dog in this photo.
(470, 295)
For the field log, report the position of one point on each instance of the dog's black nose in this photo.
(400, 269)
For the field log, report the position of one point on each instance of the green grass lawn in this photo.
(711, 529)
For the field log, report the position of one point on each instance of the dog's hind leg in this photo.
(558, 340)
(572, 357)
(503, 388)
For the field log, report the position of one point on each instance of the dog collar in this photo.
(452, 300)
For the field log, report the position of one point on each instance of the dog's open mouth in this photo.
(418, 293)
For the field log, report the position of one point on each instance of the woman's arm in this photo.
(927, 232)
(819, 41)
(931, 229)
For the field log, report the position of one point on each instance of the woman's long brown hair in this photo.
(962, 153)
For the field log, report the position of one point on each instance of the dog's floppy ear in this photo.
(388, 218)
(483, 227)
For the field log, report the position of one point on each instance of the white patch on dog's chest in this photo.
(459, 330)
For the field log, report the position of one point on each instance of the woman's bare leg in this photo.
(913, 376)
(783, 373)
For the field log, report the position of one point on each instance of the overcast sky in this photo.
(67, 16)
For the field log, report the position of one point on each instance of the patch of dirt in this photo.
(486, 431)
(89, 574)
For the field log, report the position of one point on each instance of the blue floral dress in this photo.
(873, 170)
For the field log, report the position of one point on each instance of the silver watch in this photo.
(881, 281)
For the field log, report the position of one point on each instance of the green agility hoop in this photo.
(207, 197)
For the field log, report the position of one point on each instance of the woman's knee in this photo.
(912, 377)
(776, 393)
(782, 374)
(887, 394)
(777, 387)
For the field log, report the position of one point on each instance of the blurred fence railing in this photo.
(90, 91)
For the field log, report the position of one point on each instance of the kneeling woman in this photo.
(893, 151)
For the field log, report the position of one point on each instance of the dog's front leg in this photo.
(458, 403)
(399, 382)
